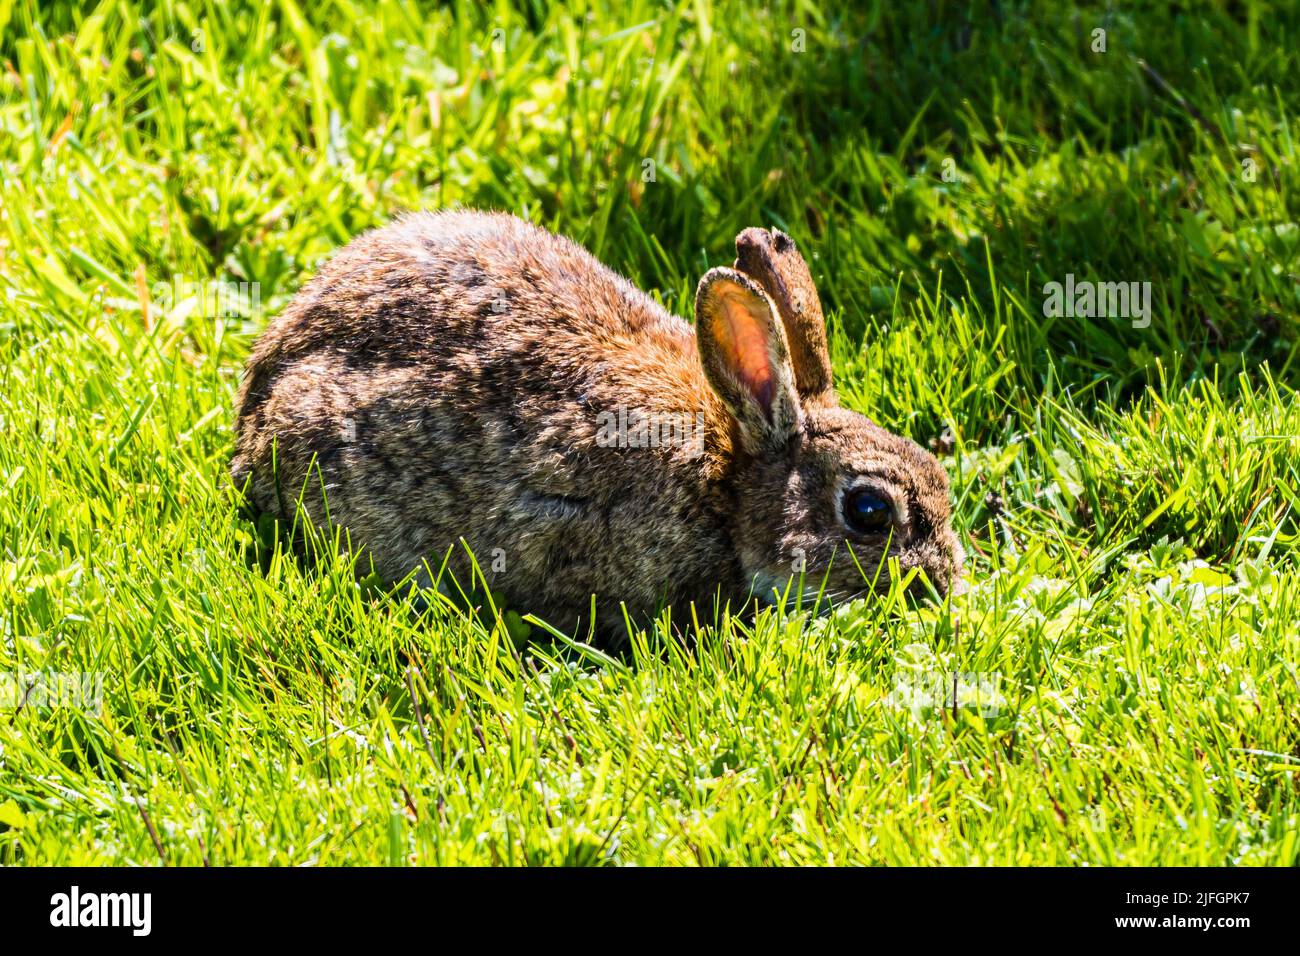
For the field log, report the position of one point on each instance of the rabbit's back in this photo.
(459, 283)
(457, 375)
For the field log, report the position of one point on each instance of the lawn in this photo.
(176, 688)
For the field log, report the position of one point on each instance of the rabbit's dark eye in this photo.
(866, 512)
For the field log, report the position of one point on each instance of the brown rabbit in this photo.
(469, 375)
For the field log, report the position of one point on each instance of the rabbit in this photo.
(468, 375)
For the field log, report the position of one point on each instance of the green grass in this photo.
(1128, 496)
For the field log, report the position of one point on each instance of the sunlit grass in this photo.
(1127, 496)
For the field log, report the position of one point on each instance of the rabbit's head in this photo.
(818, 488)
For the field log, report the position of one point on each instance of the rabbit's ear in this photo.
(772, 260)
(746, 358)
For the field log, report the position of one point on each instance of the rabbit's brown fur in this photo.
(454, 375)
